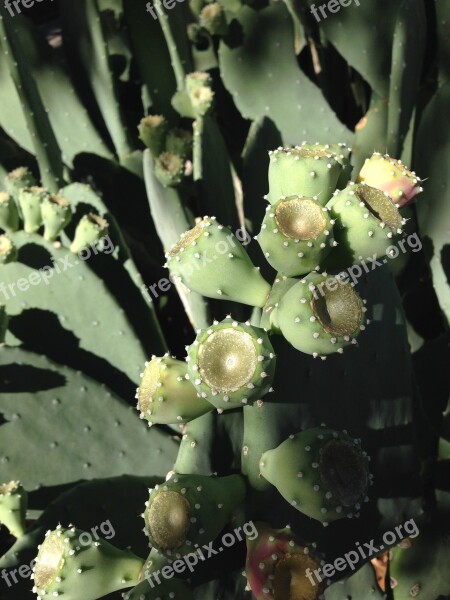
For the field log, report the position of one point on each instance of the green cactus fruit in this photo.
(342, 154)
(169, 169)
(367, 222)
(321, 472)
(73, 565)
(153, 132)
(199, 90)
(310, 171)
(8, 251)
(231, 364)
(89, 231)
(13, 503)
(9, 215)
(209, 259)
(280, 566)
(296, 235)
(321, 315)
(167, 589)
(18, 179)
(269, 316)
(190, 510)
(56, 215)
(213, 19)
(179, 141)
(166, 396)
(30, 201)
(391, 176)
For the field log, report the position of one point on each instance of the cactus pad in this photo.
(13, 507)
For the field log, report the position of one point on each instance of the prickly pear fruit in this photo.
(153, 132)
(213, 19)
(56, 215)
(169, 169)
(269, 317)
(166, 396)
(391, 176)
(199, 90)
(90, 230)
(71, 564)
(310, 171)
(280, 565)
(296, 235)
(179, 141)
(231, 364)
(210, 260)
(366, 223)
(321, 315)
(190, 509)
(18, 179)
(13, 507)
(9, 215)
(321, 472)
(30, 201)
(8, 251)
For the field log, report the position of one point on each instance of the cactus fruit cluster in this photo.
(166, 233)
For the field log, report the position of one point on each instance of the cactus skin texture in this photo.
(169, 169)
(18, 179)
(296, 235)
(166, 396)
(213, 19)
(9, 215)
(30, 202)
(153, 132)
(276, 566)
(367, 223)
(8, 252)
(269, 317)
(321, 472)
(321, 315)
(307, 170)
(90, 230)
(13, 507)
(179, 141)
(189, 510)
(391, 176)
(209, 260)
(231, 364)
(70, 567)
(56, 215)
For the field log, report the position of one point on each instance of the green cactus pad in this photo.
(278, 564)
(153, 132)
(391, 176)
(321, 315)
(9, 215)
(56, 215)
(8, 251)
(90, 230)
(209, 260)
(189, 510)
(269, 317)
(169, 169)
(231, 364)
(213, 19)
(166, 396)
(71, 563)
(310, 171)
(179, 141)
(321, 472)
(20, 178)
(30, 201)
(296, 235)
(13, 507)
(367, 223)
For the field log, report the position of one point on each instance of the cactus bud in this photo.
(90, 230)
(13, 504)
(209, 260)
(321, 315)
(9, 215)
(56, 215)
(296, 235)
(179, 141)
(68, 566)
(30, 201)
(390, 176)
(199, 90)
(190, 509)
(18, 179)
(169, 169)
(321, 472)
(213, 19)
(231, 364)
(166, 396)
(8, 251)
(153, 132)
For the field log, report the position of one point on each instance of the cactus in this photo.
(13, 506)
(321, 472)
(169, 169)
(30, 202)
(213, 19)
(231, 364)
(90, 230)
(179, 141)
(9, 215)
(153, 132)
(18, 179)
(8, 252)
(56, 215)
